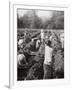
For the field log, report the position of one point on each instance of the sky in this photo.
(42, 14)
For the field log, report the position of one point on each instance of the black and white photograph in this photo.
(40, 44)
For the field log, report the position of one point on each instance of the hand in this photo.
(26, 63)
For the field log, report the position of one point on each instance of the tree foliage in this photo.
(31, 20)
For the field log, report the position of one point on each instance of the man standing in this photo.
(42, 35)
(62, 40)
(48, 59)
(21, 59)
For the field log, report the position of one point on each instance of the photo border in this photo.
(13, 49)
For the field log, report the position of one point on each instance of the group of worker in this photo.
(46, 41)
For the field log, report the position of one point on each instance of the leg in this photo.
(47, 71)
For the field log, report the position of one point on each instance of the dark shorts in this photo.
(47, 71)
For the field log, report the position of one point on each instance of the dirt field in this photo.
(35, 56)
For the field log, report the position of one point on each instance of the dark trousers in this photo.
(47, 71)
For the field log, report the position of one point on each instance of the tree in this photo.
(57, 20)
(30, 20)
(19, 22)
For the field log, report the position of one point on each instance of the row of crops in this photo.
(34, 69)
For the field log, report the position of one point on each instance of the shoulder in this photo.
(21, 55)
(51, 49)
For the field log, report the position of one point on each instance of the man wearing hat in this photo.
(48, 59)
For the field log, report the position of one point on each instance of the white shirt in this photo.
(20, 41)
(50, 38)
(37, 43)
(62, 39)
(20, 57)
(42, 34)
(48, 54)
